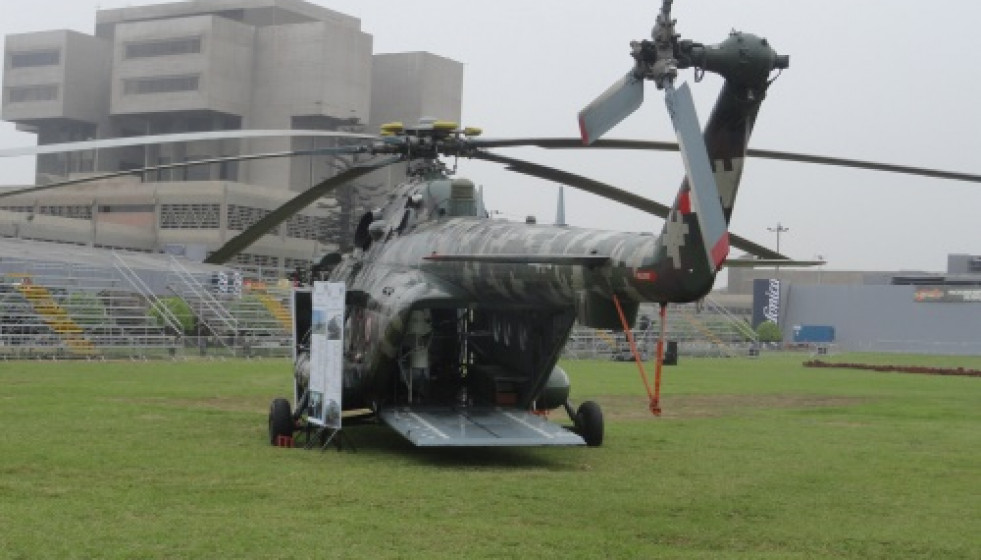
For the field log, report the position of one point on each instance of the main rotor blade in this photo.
(578, 181)
(610, 192)
(178, 137)
(769, 263)
(294, 205)
(623, 144)
(565, 143)
(181, 165)
(612, 106)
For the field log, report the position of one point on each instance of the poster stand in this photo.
(327, 435)
(341, 437)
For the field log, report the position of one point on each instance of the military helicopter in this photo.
(454, 322)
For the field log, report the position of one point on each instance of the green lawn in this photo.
(751, 459)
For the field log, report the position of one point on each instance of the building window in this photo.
(242, 217)
(161, 84)
(166, 47)
(83, 211)
(202, 172)
(35, 58)
(113, 208)
(17, 208)
(190, 216)
(24, 94)
(251, 259)
(306, 227)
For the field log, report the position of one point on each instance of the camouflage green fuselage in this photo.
(538, 278)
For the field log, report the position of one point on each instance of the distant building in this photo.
(203, 66)
(915, 312)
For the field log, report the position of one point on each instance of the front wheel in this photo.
(589, 423)
(280, 420)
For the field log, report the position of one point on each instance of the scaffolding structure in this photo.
(698, 329)
(123, 307)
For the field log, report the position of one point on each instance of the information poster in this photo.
(326, 355)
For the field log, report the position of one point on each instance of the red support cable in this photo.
(654, 404)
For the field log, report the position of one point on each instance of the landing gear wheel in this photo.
(589, 423)
(280, 420)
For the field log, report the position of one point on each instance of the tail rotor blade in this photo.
(614, 105)
(704, 192)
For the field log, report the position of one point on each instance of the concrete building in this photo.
(915, 312)
(201, 66)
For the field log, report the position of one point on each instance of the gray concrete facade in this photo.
(123, 214)
(211, 65)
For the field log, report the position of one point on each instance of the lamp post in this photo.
(778, 230)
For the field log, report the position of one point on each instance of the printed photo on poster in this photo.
(327, 354)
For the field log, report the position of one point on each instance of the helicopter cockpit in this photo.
(424, 201)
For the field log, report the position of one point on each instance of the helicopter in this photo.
(453, 322)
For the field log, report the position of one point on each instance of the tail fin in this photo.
(560, 208)
(695, 240)
(725, 140)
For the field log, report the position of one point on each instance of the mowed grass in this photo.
(751, 459)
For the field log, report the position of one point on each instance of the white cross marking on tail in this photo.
(674, 237)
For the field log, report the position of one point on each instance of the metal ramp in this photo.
(134, 281)
(476, 427)
(245, 312)
(205, 306)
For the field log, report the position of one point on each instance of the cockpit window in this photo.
(361, 237)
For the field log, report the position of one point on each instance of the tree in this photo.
(768, 331)
(85, 308)
(179, 309)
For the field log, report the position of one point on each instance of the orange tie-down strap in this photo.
(653, 394)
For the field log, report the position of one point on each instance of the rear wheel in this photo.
(589, 423)
(280, 420)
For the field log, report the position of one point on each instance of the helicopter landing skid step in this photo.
(476, 427)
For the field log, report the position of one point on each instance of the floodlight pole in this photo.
(778, 230)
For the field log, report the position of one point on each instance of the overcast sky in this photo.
(892, 81)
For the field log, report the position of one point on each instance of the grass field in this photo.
(751, 459)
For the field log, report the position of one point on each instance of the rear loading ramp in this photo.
(476, 427)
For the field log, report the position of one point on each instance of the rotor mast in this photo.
(742, 59)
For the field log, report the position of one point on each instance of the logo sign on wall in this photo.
(766, 301)
(947, 294)
(327, 354)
